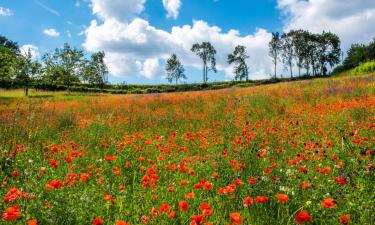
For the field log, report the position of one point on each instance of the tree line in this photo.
(312, 52)
(305, 50)
(66, 65)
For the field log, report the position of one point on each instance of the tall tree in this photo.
(9, 53)
(100, 75)
(207, 53)
(238, 57)
(27, 70)
(175, 70)
(64, 65)
(328, 51)
(299, 46)
(287, 51)
(274, 49)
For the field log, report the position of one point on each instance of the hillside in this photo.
(285, 153)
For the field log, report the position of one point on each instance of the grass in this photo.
(70, 158)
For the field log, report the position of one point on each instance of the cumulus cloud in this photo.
(351, 20)
(117, 9)
(5, 11)
(135, 47)
(51, 32)
(172, 7)
(34, 50)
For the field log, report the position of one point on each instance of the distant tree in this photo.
(312, 55)
(100, 69)
(275, 49)
(8, 61)
(9, 52)
(27, 71)
(207, 53)
(287, 51)
(175, 70)
(356, 55)
(238, 57)
(299, 46)
(64, 65)
(371, 50)
(11, 45)
(328, 50)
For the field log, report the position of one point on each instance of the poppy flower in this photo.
(121, 222)
(164, 208)
(197, 220)
(32, 222)
(12, 213)
(282, 197)
(303, 217)
(184, 205)
(328, 203)
(345, 219)
(206, 209)
(98, 221)
(259, 199)
(248, 201)
(236, 218)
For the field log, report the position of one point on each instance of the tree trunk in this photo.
(291, 70)
(26, 91)
(275, 68)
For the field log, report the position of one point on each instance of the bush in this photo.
(368, 67)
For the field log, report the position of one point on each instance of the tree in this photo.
(275, 48)
(207, 53)
(238, 57)
(100, 69)
(299, 46)
(27, 70)
(8, 61)
(64, 65)
(328, 50)
(9, 52)
(11, 45)
(175, 70)
(287, 51)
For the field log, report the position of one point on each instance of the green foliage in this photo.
(175, 70)
(207, 53)
(238, 57)
(368, 67)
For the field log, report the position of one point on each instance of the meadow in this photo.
(287, 153)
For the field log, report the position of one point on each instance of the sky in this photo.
(139, 35)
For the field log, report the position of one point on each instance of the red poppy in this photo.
(98, 221)
(32, 222)
(345, 219)
(248, 201)
(12, 213)
(236, 218)
(328, 203)
(282, 197)
(303, 217)
(184, 205)
(121, 222)
(164, 208)
(259, 199)
(55, 184)
(206, 209)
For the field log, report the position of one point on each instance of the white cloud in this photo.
(117, 9)
(352, 20)
(150, 68)
(137, 47)
(51, 32)
(5, 11)
(34, 50)
(172, 7)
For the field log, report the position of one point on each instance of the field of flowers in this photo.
(289, 153)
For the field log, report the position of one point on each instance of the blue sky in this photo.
(47, 24)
